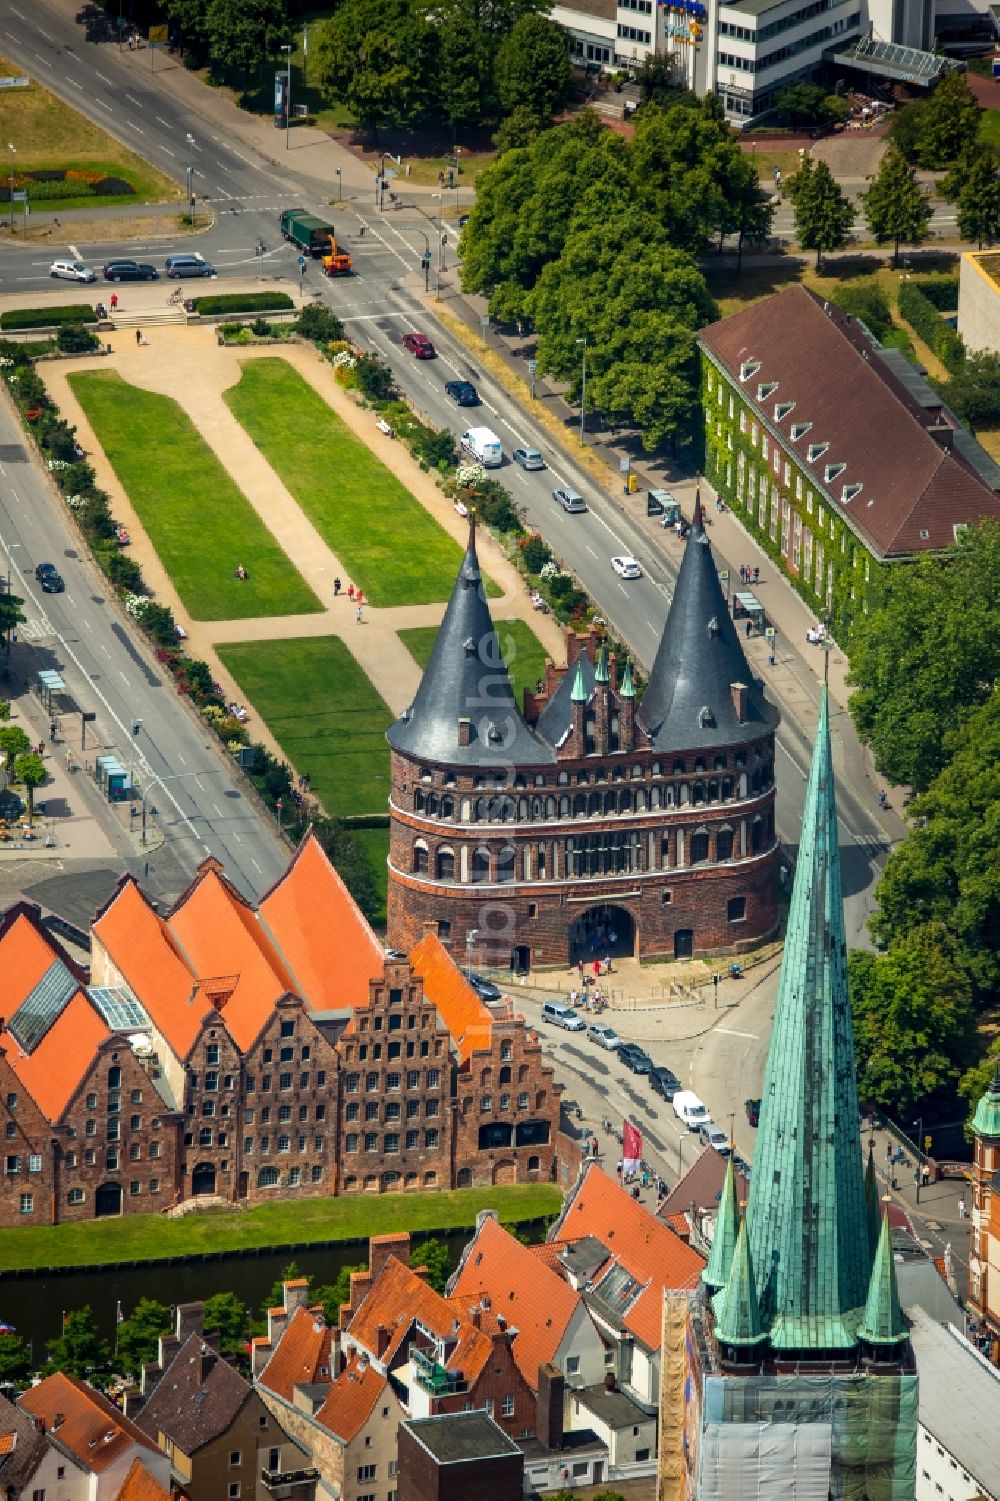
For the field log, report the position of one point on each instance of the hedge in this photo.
(48, 317)
(244, 302)
(942, 291)
(918, 310)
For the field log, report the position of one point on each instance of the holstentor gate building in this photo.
(594, 821)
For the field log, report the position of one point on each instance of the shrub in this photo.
(435, 449)
(865, 300)
(496, 507)
(47, 317)
(123, 571)
(919, 311)
(112, 187)
(159, 625)
(319, 324)
(73, 338)
(374, 378)
(536, 553)
(238, 302)
(942, 291)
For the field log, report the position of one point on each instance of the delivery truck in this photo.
(310, 234)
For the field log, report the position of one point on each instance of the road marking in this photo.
(133, 126)
(166, 151)
(165, 123)
(104, 106)
(74, 84)
(217, 809)
(729, 1032)
(199, 783)
(254, 862)
(74, 252)
(105, 80)
(104, 649)
(237, 837)
(652, 627)
(593, 554)
(180, 758)
(87, 623)
(138, 104)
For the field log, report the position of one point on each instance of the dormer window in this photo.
(782, 410)
(713, 626)
(766, 389)
(494, 734)
(832, 472)
(749, 368)
(799, 430)
(848, 493)
(470, 647)
(706, 719)
(816, 451)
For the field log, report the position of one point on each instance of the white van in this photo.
(562, 1016)
(689, 1109)
(484, 446)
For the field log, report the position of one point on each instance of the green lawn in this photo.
(198, 519)
(375, 843)
(989, 127)
(324, 713)
(149, 1237)
(385, 539)
(523, 652)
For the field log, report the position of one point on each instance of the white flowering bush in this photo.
(549, 571)
(344, 358)
(74, 502)
(6, 364)
(470, 474)
(136, 605)
(56, 465)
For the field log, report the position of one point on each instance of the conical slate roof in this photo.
(737, 1310)
(807, 1217)
(883, 1323)
(871, 1201)
(466, 678)
(688, 704)
(986, 1121)
(727, 1225)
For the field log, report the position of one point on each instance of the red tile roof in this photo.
(59, 1064)
(463, 1013)
(92, 1429)
(301, 1356)
(397, 1297)
(701, 1186)
(816, 357)
(320, 932)
(352, 1399)
(140, 1485)
(523, 1290)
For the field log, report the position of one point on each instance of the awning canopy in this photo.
(890, 60)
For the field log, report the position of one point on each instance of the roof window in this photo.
(832, 472)
(782, 409)
(816, 451)
(766, 389)
(799, 430)
(848, 493)
(749, 368)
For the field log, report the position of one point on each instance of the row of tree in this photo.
(924, 665)
(591, 240)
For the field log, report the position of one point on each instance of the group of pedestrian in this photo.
(356, 596)
(749, 575)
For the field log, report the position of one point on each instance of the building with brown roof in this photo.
(81, 1423)
(838, 461)
(30, 1463)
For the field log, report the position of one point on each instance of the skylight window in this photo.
(816, 451)
(766, 389)
(832, 471)
(749, 368)
(799, 430)
(782, 409)
(848, 493)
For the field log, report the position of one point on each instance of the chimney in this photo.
(501, 1322)
(190, 1319)
(476, 1316)
(261, 1351)
(58, 1419)
(277, 1323)
(39, 1423)
(739, 692)
(382, 1337)
(295, 1294)
(464, 729)
(382, 1247)
(551, 1400)
(205, 1361)
(149, 1378)
(167, 1348)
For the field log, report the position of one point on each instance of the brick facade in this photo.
(287, 1140)
(506, 1112)
(29, 1160)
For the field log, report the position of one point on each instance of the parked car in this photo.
(50, 578)
(130, 271)
(528, 458)
(463, 392)
(463, 220)
(562, 1016)
(714, 1136)
(188, 265)
(485, 989)
(419, 346)
(72, 271)
(570, 500)
(604, 1036)
(691, 1110)
(626, 568)
(635, 1058)
(664, 1082)
(753, 1112)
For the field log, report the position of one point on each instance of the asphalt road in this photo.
(378, 305)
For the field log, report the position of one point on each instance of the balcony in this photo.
(284, 1485)
(435, 1378)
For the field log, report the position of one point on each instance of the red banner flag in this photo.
(631, 1148)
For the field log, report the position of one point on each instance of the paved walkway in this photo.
(188, 364)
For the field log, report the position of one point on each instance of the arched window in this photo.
(757, 836)
(447, 807)
(624, 802)
(699, 793)
(724, 843)
(480, 864)
(540, 862)
(564, 807)
(505, 863)
(432, 805)
(580, 805)
(445, 865)
(464, 1179)
(550, 807)
(114, 1077)
(610, 802)
(420, 858)
(727, 789)
(640, 800)
(267, 1177)
(699, 847)
(522, 1073)
(533, 1164)
(713, 790)
(486, 1077)
(418, 800)
(522, 807)
(594, 804)
(505, 1074)
(468, 810)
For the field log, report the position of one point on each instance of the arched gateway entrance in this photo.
(108, 1200)
(602, 932)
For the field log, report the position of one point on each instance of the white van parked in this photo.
(484, 446)
(689, 1109)
(562, 1016)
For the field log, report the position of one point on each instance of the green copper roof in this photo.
(737, 1313)
(883, 1321)
(627, 689)
(871, 1201)
(602, 675)
(727, 1225)
(807, 1220)
(986, 1121)
(579, 693)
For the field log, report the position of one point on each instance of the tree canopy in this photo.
(824, 215)
(896, 206)
(533, 69)
(79, 1349)
(139, 1335)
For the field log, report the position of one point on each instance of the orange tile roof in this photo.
(352, 1399)
(397, 1297)
(139, 944)
(140, 1485)
(25, 954)
(6, 1442)
(643, 1244)
(218, 934)
(463, 1013)
(522, 1288)
(55, 1070)
(320, 932)
(301, 1354)
(92, 1429)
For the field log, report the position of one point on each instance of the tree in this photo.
(188, 26)
(15, 1360)
(231, 1317)
(138, 1335)
(374, 377)
(464, 84)
(275, 1295)
(905, 127)
(434, 1256)
(926, 655)
(660, 83)
(896, 206)
(977, 1080)
(377, 56)
(914, 1025)
(353, 866)
(13, 743)
(949, 123)
(518, 130)
(865, 300)
(979, 201)
(30, 771)
(79, 1349)
(243, 34)
(11, 616)
(333, 1294)
(533, 68)
(973, 392)
(824, 215)
(806, 103)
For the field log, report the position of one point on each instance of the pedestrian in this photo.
(925, 1175)
(360, 597)
(114, 302)
(961, 1208)
(743, 574)
(618, 1170)
(579, 965)
(336, 587)
(350, 591)
(756, 575)
(52, 731)
(357, 614)
(749, 630)
(138, 336)
(69, 760)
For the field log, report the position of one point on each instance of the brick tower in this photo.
(592, 823)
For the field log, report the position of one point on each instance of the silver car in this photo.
(72, 271)
(570, 500)
(528, 458)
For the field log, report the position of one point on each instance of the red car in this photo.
(420, 346)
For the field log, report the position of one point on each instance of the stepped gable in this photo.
(196, 1399)
(467, 1018)
(691, 701)
(319, 932)
(465, 712)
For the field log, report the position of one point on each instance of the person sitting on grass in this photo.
(241, 572)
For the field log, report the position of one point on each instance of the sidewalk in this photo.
(934, 1213)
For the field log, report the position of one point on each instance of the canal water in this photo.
(35, 1305)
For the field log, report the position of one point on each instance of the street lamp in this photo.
(425, 259)
(190, 178)
(380, 183)
(287, 47)
(261, 252)
(583, 392)
(13, 152)
(340, 188)
(917, 1174)
(470, 943)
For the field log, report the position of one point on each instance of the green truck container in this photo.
(310, 234)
